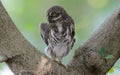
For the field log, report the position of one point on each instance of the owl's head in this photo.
(56, 13)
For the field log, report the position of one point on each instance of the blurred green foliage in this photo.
(87, 14)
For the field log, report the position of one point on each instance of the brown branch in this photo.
(23, 58)
(108, 37)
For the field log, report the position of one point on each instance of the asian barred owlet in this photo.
(58, 33)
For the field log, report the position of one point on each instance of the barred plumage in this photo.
(58, 34)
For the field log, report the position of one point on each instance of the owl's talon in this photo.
(60, 63)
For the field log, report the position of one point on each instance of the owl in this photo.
(58, 33)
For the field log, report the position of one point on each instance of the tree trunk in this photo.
(24, 59)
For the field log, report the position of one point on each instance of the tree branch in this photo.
(23, 58)
(108, 37)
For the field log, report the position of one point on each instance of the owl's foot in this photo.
(60, 63)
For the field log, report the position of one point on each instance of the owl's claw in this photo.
(60, 63)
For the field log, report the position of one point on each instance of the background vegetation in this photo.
(87, 14)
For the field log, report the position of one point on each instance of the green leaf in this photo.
(111, 70)
(109, 57)
(102, 52)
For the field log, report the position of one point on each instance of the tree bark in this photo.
(24, 59)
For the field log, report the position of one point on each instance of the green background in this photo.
(87, 14)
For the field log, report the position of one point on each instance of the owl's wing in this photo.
(45, 30)
(70, 23)
(71, 28)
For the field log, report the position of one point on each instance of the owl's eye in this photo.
(54, 14)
